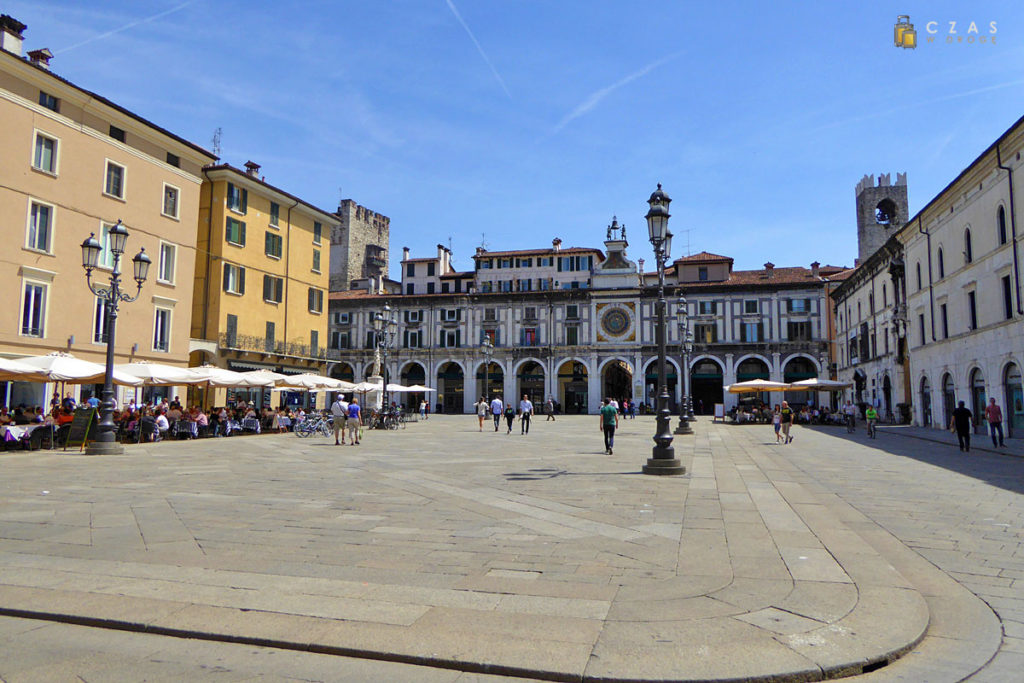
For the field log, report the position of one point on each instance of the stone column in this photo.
(776, 369)
(593, 385)
(729, 377)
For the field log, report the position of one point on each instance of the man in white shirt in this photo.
(496, 409)
(339, 411)
(850, 411)
(525, 413)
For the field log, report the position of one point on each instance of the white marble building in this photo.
(590, 331)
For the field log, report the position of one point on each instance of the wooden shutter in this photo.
(227, 271)
(241, 280)
(245, 200)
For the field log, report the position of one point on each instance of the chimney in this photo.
(11, 37)
(769, 270)
(252, 168)
(41, 58)
(814, 269)
(480, 250)
(405, 253)
(556, 244)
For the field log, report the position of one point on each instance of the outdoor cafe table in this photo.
(16, 432)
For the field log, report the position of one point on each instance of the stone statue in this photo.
(376, 361)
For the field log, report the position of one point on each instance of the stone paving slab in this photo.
(489, 553)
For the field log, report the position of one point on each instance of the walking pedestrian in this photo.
(354, 421)
(496, 409)
(549, 409)
(961, 424)
(339, 412)
(609, 420)
(481, 411)
(525, 413)
(423, 409)
(510, 416)
(995, 422)
(786, 420)
(777, 423)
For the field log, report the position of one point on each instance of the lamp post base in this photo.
(663, 466)
(104, 448)
(683, 427)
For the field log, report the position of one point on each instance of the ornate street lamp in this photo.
(487, 346)
(663, 460)
(686, 347)
(385, 324)
(106, 438)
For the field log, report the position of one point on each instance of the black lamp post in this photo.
(663, 460)
(686, 347)
(385, 324)
(106, 438)
(488, 348)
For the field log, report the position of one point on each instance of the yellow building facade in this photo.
(74, 163)
(261, 280)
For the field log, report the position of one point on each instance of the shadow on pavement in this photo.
(996, 469)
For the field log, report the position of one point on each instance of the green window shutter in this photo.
(245, 200)
(241, 232)
(280, 289)
(267, 294)
(227, 269)
(268, 243)
(241, 280)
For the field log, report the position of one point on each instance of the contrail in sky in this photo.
(483, 54)
(595, 97)
(125, 27)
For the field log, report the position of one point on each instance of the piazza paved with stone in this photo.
(441, 553)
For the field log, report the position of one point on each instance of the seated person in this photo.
(20, 417)
(174, 414)
(162, 424)
(5, 416)
(65, 417)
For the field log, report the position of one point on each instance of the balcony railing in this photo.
(243, 342)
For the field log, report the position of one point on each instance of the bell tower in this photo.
(882, 209)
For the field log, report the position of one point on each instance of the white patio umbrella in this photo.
(419, 387)
(819, 384)
(63, 367)
(15, 371)
(399, 388)
(363, 387)
(307, 382)
(213, 376)
(756, 386)
(265, 376)
(158, 374)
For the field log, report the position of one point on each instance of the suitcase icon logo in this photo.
(904, 34)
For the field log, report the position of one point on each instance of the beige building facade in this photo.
(74, 163)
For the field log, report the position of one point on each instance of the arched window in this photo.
(942, 265)
(1001, 224)
(919, 275)
(968, 252)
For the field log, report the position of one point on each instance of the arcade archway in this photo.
(706, 386)
(530, 381)
(651, 385)
(795, 370)
(490, 381)
(978, 400)
(926, 402)
(573, 380)
(617, 380)
(412, 373)
(450, 387)
(948, 398)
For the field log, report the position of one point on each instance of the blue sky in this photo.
(518, 121)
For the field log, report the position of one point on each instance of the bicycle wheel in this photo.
(302, 430)
(326, 428)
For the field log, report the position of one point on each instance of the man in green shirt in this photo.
(609, 422)
(871, 415)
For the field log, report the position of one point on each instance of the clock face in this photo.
(615, 322)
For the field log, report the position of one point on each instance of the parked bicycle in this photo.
(315, 424)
